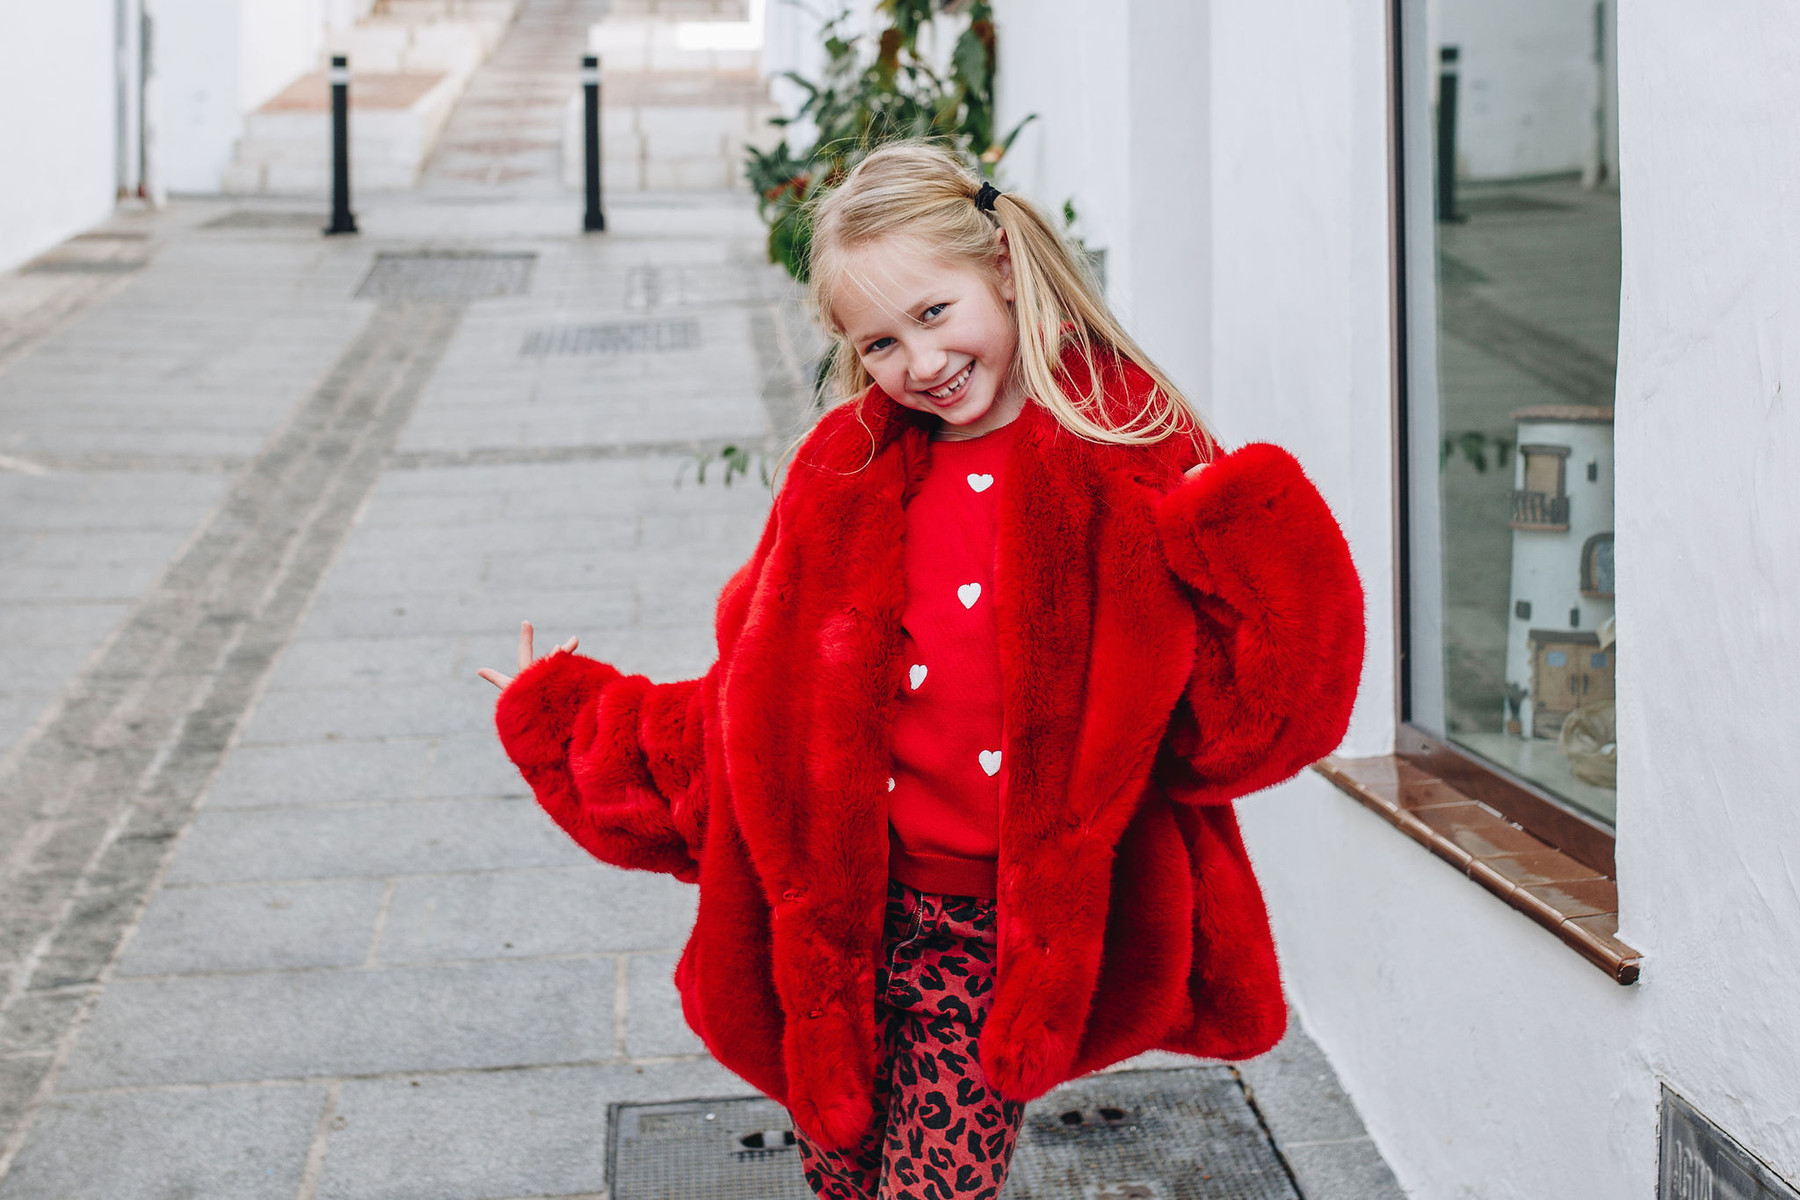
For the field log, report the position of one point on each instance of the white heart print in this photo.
(969, 593)
(917, 674)
(981, 483)
(990, 761)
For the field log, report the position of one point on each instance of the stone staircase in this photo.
(410, 61)
(683, 96)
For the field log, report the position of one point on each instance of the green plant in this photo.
(1474, 445)
(868, 96)
(736, 459)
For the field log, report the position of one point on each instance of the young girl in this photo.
(956, 792)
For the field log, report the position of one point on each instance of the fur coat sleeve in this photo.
(614, 759)
(1279, 638)
(617, 761)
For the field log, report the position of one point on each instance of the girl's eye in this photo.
(878, 344)
(933, 311)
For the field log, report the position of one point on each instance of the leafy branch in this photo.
(737, 461)
(877, 87)
(1475, 445)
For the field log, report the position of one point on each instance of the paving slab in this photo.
(366, 711)
(348, 661)
(336, 772)
(1351, 1170)
(533, 1133)
(476, 765)
(654, 1024)
(256, 927)
(301, 1024)
(477, 612)
(587, 909)
(245, 1143)
(423, 837)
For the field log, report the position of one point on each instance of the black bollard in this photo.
(1446, 134)
(595, 220)
(342, 219)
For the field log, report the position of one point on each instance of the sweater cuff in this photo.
(536, 713)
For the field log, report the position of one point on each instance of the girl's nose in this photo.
(928, 364)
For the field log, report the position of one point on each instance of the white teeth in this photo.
(951, 388)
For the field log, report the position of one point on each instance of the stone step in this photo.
(663, 146)
(395, 120)
(410, 61)
(683, 96)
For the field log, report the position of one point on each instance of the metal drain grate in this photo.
(448, 275)
(1184, 1134)
(268, 218)
(615, 337)
(704, 1150)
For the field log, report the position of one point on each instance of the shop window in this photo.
(1509, 316)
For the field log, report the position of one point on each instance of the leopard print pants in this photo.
(940, 1132)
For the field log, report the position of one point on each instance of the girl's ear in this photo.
(1003, 264)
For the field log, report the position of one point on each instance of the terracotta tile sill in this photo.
(1568, 898)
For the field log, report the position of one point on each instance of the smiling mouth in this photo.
(955, 386)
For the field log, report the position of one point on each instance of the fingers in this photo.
(526, 656)
(1195, 470)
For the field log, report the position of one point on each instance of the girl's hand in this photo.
(525, 657)
(1194, 470)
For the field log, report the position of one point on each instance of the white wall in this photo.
(1300, 255)
(218, 60)
(1067, 61)
(1708, 445)
(1119, 89)
(281, 41)
(1529, 85)
(791, 42)
(196, 48)
(1488, 1060)
(57, 135)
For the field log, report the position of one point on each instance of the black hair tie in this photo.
(984, 199)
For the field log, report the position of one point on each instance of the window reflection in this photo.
(1527, 307)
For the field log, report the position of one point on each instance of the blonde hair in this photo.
(917, 189)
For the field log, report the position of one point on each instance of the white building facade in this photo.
(107, 99)
(1262, 178)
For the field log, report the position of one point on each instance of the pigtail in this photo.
(1062, 314)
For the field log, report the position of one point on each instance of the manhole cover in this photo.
(448, 275)
(614, 337)
(704, 1150)
(1186, 1134)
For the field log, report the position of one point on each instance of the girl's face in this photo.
(936, 336)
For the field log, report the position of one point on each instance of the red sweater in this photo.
(948, 773)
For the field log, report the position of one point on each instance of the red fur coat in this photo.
(1166, 644)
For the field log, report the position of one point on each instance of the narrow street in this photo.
(279, 920)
